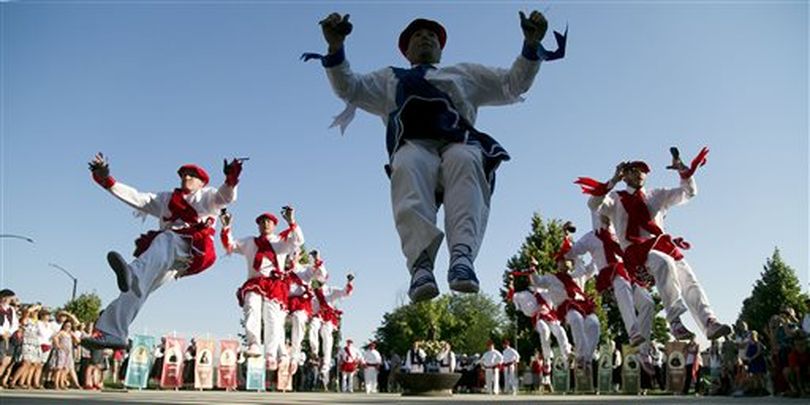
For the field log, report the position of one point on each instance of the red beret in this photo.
(267, 215)
(640, 165)
(195, 171)
(416, 25)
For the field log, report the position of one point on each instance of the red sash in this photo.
(264, 249)
(577, 300)
(327, 312)
(349, 364)
(301, 302)
(544, 311)
(179, 208)
(615, 268)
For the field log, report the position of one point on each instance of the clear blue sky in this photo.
(155, 85)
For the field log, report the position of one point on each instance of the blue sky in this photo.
(154, 85)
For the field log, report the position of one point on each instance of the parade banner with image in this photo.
(255, 374)
(583, 378)
(140, 361)
(172, 374)
(560, 377)
(631, 370)
(226, 371)
(676, 366)
(605, 373)
(204, 364)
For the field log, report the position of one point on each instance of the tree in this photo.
(777, 287)
(466, 321)
(86, 307)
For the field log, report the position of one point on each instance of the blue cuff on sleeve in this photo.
(334, 59)
(531, 54)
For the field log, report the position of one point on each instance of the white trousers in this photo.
(298, 325)
(420, 170)
(677, 284)
(545, 330)
(492, 384)
(585, 331)
(274, 334)
(154, 268)
(347, 381)
(630, 299)
(313, 335)
(370, 377)
(327, 338)
(510, 379)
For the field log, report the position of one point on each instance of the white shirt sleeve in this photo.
(218, 198)
(148, 203)
(663, 198)
(369, 92)
(499, 86)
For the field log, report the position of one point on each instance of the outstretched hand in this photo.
(99, 166)
(534, 27)
(226, 219)
(335, 29)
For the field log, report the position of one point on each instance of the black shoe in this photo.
(121, 269)
(423, 284)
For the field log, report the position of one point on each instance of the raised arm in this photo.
(226, 194)
(148, 203)
(292, 238)
(226, 237)
(367, 91)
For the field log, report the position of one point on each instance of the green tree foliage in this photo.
(467, 321)
(777, 287)
(86, 307)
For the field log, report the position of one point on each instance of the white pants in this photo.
(347, 381)
(155, 267)
(252, 308)
(677, 283)
(274, 318)
(510, 379)
(491, 381)
(370, 377)
(630, 299)
(420, 170)
(545, 329)
(585, 331)
(298, 321)
(313, 335)
(327, 330)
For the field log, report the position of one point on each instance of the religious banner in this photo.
(605, 372)
(676, 366)
(560, 377)
(204, 364)
(226, 371)
(583, 378)
(172, 373)
(631, 370)
(284, 374)
(140, 361)
(255, 374)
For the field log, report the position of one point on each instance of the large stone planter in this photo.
(428, 384)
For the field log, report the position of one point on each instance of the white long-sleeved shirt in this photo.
(411, 364)
(332, 295)
(307, 274)
(207, 201)
(468, 85)
(247, 247)
(554, 289)
(8, 327)
(526, 302)
(590, 244)
(510, 356)
(371, 357)
(659, 201)
(492, 358)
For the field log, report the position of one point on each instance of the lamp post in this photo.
(75, 280)
(8, 235)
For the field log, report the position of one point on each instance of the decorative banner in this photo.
(172, 374)
(631, 370)
(583, 378)
(255, 374)
(140, 361)
(560, 378)
(284, 374)
(676, 366)
(204, 364)
(605, 368)
(226, 372)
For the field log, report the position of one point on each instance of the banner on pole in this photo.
(676, 366)
(140, 361)
(226, 372)
(605, 372)
(631, 370)
(172, 373)
(255, 374)
(560, 377)
(204, 364)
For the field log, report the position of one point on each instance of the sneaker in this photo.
(715, 329)
(104, 341)
(253, 351)
(423, 286)
(461, 275)
(679, 332)
(122, 274)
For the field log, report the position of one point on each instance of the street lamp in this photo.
(75, 280)
(8, 235)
